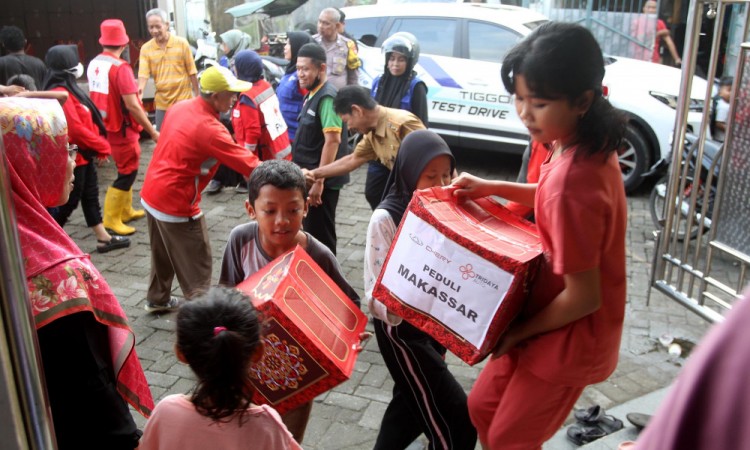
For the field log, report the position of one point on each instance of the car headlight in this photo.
(671, 101)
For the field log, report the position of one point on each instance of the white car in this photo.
(462, 47)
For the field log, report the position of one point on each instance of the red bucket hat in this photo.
(113, 33)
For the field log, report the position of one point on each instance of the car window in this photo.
(367, 29)
(489, 42)
(435, 36)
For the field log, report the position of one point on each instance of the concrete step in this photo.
(646, 404)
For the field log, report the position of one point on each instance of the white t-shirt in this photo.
(380, 233)
(722, 114)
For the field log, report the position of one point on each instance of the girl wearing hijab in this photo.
(85, 130)
(399, 87)
(87, 347)
(426, 397)
(291, 95)
(256, 120)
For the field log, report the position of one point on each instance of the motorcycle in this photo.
(701, 180)
(207, 53)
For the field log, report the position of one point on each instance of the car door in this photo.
(487, 112)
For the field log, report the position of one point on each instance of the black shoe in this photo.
(114, 243)
(213, 188)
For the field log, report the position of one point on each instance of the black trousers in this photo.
(321, 220)
(125, 182)
(87, 410)
(426, 397)
(227, 176)
(377, 175)
(86, 192)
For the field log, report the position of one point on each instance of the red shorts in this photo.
(513, 409)
(127, 155)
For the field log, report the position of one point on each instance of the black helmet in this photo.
(403, 43)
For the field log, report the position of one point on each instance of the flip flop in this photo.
(639, 420)
(596, 416)
(582, 434)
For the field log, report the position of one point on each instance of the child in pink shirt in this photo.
(219, 336)
(569, 335)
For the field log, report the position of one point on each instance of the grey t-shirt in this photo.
(244, 256)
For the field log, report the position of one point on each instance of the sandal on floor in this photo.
(114, 243)
(639, 420)
(596, 416)
(582, 434)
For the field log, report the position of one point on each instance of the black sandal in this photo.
(114, 243)
(595, 416)
(582, 434)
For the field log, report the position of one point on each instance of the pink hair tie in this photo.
(218, 330)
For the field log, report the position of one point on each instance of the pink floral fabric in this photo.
(60, 277)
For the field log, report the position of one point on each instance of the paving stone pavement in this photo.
(348, 417)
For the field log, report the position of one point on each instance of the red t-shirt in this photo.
(660, 26)
(126, 84)
(581, 214)
(81, 128)
(537, 155)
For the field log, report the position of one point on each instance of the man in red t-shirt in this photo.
(113, 89)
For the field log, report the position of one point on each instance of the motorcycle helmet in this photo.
(403, 43)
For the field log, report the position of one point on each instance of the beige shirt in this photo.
(383, 142)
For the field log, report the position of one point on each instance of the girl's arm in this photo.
(580, 297)
(470, 186)
(380, 233)
(60, 96)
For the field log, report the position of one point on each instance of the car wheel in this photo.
(634, 158)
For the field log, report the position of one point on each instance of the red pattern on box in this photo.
(311, 329)
(488, 229)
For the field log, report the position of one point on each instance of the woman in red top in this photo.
(86, 130)
(87, 347)
(569, 334)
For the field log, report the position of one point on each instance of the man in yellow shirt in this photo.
(167, 59)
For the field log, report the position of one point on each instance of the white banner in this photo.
(454, 285)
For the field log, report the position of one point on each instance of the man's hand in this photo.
(309, 177)
(102, 160)
(314, 197)
(155, 136)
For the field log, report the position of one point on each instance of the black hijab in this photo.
(296, 40)
(61, 60)
(392, 89)
(417, 150)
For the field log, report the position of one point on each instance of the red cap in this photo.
(113, 33)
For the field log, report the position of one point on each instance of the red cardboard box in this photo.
(459, 271)
(311, 332)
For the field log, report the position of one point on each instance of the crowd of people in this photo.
(290, 152)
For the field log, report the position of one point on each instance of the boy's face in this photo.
(279, 213)
(725, 92)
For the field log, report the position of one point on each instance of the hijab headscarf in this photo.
(392, 89)
(248, 66)
(296, 40)
(60, 278)
(417, 150)
(236, 41)
(61, 63)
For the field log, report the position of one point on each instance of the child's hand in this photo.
(507, 341)
(314, 197)
(470, 186)
(363, 338)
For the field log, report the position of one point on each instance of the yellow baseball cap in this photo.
(219, 79)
